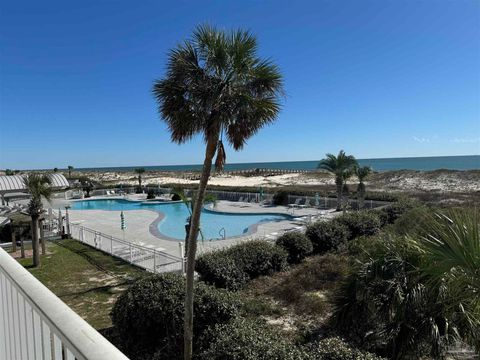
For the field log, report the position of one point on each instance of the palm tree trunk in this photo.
(14, 241)
(361, 196)
(42, 237)
(22, 247)
(192, 245)
(35, 242)
(140, 181)
(339, 183)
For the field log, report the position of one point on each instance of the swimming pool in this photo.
(175, 215)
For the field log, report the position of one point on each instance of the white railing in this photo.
(36, 324)
(149, 259)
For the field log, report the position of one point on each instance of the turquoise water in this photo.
(468, 162)
(176, 214)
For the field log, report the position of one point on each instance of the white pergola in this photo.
(15, 184)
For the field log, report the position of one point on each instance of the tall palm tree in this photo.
(70, 168)
(37, 186)
(215, 84)
(362, 173)
(341, 166)
(140, 171)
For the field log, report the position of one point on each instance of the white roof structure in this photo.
(15, 183)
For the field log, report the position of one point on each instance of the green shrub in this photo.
(231, 268)
(149, 315)
(247, 340)
(217, 267)
(296, 244)
(336, 349)
(390, 213)
(176, 197)
(360, 223)
(327, 235)
(280, 198)
(151, 194)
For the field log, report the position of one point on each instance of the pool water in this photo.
(176, 214)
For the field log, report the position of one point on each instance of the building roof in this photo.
(12, 183)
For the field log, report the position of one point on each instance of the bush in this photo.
(149, 315)
(336, 349)
(327, 235)
(296, 244)
(360, 223)
(231, 268)
(280, 198)
(390, 213)
(176, 197)
(151, 194)
(247, 340)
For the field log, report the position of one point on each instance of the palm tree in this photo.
(70, 168)
(215, 84)
(140, 171)
(361, 172)
(341, 166)
(37, 186)
(451, 252)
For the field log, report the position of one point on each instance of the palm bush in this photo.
(410, 297)
(362, 173)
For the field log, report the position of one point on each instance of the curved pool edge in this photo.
(154, 226)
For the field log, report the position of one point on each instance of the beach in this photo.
(442, 181)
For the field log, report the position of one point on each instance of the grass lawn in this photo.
(87, 280)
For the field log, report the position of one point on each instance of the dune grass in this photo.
(87, 280)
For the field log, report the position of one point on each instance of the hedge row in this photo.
(334, 234)
(233, 267)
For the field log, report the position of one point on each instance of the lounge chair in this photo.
(296, 203)
(305, 204)
(240, 199)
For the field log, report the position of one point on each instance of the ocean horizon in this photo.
(466, 162)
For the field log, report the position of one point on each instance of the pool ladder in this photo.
(223, 233)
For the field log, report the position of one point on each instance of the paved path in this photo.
(139, 223)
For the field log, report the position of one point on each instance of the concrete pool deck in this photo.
(141, 224)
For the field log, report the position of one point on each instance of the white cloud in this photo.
(421, 139)
(466, 140)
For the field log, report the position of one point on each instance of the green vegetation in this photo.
(342, 166)
(296, 244)
(280, 198)
(233, 267)
(37, 186)
(400, 289)
(149, 315)
(327, 235)
(87, 280)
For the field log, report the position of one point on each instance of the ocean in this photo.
(469, 162)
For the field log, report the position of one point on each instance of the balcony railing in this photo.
(36, 324)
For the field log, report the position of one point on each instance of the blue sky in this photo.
(376, 78)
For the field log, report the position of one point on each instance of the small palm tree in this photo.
(362, 173)
(70, 168)
(37, 186)
(215, 84)
(342, 167)
(451, 253)
(140, 171)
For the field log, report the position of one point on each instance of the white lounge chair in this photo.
(296, 203)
